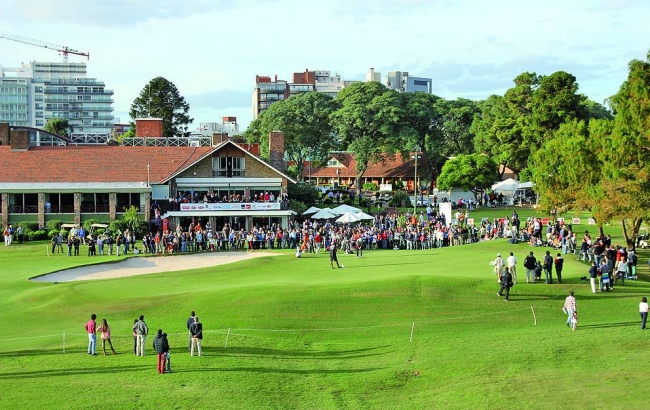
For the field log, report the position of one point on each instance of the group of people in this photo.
(140, 331)
(534, 267)
(9, 232)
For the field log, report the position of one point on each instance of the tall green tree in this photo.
(368, 123)
(58, 126)
(529, 113)
(472, 172)
(161, 99)
(305, 121)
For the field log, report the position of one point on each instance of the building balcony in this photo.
(234, 173)
(62, 90)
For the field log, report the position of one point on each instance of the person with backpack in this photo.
(529, 263)
(559, 265)
(548, 267)
(161, 346)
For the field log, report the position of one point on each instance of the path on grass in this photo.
(145, 265)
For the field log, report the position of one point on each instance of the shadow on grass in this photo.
(280, 371)
(43, 352)
(72, 372)
(606, 325)
(293, 354)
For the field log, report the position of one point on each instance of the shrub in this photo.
(54, 224)
(398, 185)
(88, 222)
(297, 206)
(398, 198)
(370, 186)
(347, 201)
(36, 235)
(100, 231)
(27, 226)
(328, 201)
(117, 226)
(363, 202)
(305, 193)
(52, 232)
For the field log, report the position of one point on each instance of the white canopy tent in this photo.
(347, 218)
(340, 210)
(311, 210)
(506, 187)
(324, 213)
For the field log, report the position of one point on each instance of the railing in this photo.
(120, 208)
(229, 174)
(95, 209)
(167, 142)
(89, 138)
(23, 209)
(60, 209)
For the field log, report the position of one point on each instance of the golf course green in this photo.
(395, 330)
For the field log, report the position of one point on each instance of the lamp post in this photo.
(415, 181)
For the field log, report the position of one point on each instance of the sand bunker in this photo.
(145, 265)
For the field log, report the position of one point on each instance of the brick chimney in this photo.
(149, 127)
(4, 133)
(276, 150)
(218, 138)
(19, 140)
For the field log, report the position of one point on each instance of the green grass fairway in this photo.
(304, 336)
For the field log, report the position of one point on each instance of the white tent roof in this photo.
(347, 218)
(506, 187)
(311, 210)
(340, 210)
(528, 184)
(363, 215)
(324, 213)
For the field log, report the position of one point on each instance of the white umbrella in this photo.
(340, 210)
(362, 215)
(347, 218)
(324, 213)
(311, 210)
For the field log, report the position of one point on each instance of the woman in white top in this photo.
(643, 310)
(621, 270)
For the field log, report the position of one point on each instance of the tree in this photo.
(472, 172)
(368, 123)
(512, 127)
(58, 126)
(133, 221)
(305, 121)
(161, 99)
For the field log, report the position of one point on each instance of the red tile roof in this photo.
(89, 163)
(390, 168)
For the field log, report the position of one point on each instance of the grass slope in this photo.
(305, 336)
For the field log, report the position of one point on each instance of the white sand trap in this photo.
(145, 265)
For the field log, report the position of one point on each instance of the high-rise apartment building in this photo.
(401, 81)
(267, 91)
(36, 92)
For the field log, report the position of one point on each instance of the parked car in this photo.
(422, 200)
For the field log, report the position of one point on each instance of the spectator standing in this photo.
(142, 330)
(643, 311)
(91, 329)
(168, 356)
(161, 346)
(106, 336)
(20, 231)
(512, 267)
(548, 267)
(498, 267)
(190, 322)
(559, 265)
(621, 271)
(593, 275)
(569, 307)
(197, 336)
(529, 263)
(506, 284)
(134, 333)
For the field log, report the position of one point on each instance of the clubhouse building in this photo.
(220, 182)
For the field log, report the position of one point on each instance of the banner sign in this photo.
(231, 206)
(576, 221)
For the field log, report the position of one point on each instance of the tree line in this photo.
(580, 154)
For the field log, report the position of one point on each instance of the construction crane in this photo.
(63, 50)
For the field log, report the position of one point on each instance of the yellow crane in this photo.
(63, 50)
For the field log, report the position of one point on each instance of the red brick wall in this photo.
(4, 133)
(150, 128)
(19, 140)
(276, 150)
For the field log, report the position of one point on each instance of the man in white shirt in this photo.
(512, 266)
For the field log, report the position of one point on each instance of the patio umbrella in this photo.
(340, 210)
(311, 210)
(347, 218)
(362, 215)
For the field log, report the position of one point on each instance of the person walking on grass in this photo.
(333, 257)
(511, 261)
(190, 322)
(142, 330)
(161, 346)
(91, 329)
(105, 330)
(498, 267)
(197, 336)
(569, 307)
(548, 267)
(506, 284)
(643, 311)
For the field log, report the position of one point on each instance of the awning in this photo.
(230, 213)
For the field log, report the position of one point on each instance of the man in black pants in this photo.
(333, 256)
(548, 267)
(506, 283)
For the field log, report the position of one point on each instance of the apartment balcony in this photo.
(62, 90)
(233, 173)
(80, 118)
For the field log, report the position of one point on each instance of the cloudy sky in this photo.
(212, 49)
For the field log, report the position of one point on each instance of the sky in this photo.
(212, 49)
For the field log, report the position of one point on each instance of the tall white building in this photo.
(401, 81)
(373, 75)
(328, 84)
(36, 92)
